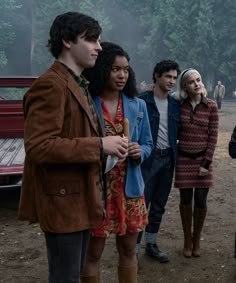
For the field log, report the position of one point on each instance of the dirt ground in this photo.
(22, 247)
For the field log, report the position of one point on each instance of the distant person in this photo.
(204, 90)
(158, 169)
(219, 93)
(196, 147)
(114, 92)
(62, 182)
(143, 86)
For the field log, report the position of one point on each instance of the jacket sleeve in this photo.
(212, 136)
(214, 94)
(44, 110)
(223, 94)
(232, 144)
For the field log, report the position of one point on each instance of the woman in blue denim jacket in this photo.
(112, 84)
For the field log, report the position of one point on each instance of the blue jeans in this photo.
(66, 255)
(158, 181)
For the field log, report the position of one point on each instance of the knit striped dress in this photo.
(197, 142)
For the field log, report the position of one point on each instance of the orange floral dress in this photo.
(122, 214)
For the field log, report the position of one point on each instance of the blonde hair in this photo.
(181, 94)
(204, 90)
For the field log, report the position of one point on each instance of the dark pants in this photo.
(158, 181)
(66, 255)
(200, 197)
(219, 101)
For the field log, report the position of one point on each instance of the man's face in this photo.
(167, 80)
(84, 53)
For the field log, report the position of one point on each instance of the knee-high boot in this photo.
(199, 216)
(127, 274)
(90, 279)
(186, 217)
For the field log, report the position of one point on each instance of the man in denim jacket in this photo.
(232, 144)
(232, 153)
(158, 169)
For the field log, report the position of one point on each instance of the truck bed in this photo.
(12, 153)
(12, 156)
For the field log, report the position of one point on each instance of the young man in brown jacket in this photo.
(62, 181)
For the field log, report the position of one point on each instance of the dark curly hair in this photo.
(68, 26)
(98, 76)
(163, 67)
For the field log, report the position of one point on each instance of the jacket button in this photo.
(62, 192)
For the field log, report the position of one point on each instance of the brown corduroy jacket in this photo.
(61, 180)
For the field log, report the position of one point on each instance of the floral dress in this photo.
(122, 214)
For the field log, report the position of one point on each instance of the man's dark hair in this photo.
(163, 67)
(98, 76)
(68, 26)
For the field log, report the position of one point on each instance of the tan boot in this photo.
(186, 217)
(127, 274)
(199, 216)
(90, 279)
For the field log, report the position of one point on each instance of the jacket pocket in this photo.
(137, 127)
(61, 188)
(60, 181)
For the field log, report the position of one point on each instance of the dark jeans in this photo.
(219, 101)
(200, 197)
(66, 255)
(158, 180)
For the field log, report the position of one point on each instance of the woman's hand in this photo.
(203, 171)
(134, 150)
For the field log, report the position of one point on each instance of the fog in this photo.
(149, 31)
(23, 53)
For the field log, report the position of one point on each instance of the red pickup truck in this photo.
(12, 151)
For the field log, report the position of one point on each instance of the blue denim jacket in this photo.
(154, 116)
(139, 128)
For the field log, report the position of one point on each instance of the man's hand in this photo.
(115, 145)
(134, 150)
(203, 171)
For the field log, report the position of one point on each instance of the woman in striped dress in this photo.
(197, 142)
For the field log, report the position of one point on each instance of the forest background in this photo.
(196, 33)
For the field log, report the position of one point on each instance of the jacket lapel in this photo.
(130, 111)
(82, 100)
(76, 91)
(97, 102)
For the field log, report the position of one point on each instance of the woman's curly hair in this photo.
(98, 76)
